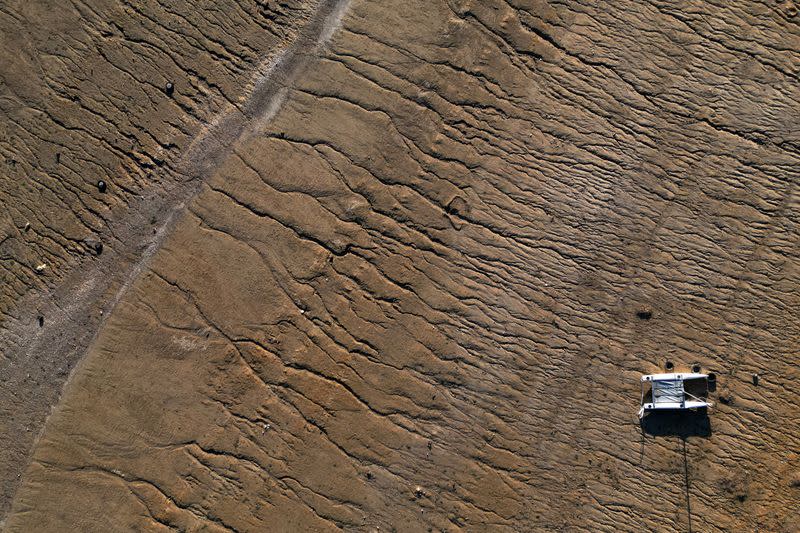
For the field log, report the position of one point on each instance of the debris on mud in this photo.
(736, 487)
(487, 247)
(457, 208)
(95, 245)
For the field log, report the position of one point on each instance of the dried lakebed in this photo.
(416, 283)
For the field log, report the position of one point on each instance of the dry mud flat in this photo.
(103, 107)
(418, 285)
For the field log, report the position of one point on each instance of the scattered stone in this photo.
(101, 186)
(40, 268)
(736, 486)
(369, 475)
(669, 365)
(644, 314)
(418, 492)
(755, 380)
(40, 319)
(27, 226)
(696, 368)
(95, 246)
(169, 88)
(457, 208)
(727, 400)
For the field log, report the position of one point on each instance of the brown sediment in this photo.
(425, 269)
(34, 365)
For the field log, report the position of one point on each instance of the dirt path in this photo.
(38, 361)
(425, 268)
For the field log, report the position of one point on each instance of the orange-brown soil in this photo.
(406, 276)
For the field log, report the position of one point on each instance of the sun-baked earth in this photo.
(398, 266)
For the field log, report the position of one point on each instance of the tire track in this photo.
(76, 309)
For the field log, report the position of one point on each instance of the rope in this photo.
(693, 396)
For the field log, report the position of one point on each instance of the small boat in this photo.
(674, 392)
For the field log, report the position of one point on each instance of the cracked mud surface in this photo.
(413, 258)
(102, 110)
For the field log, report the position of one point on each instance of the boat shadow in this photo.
(681, 424)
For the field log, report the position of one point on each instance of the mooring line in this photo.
(686, 483)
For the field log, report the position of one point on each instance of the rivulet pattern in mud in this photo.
(419, 293)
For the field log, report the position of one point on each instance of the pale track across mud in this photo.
(37, 366)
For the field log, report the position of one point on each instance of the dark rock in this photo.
(95, 246)
(457, 206)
